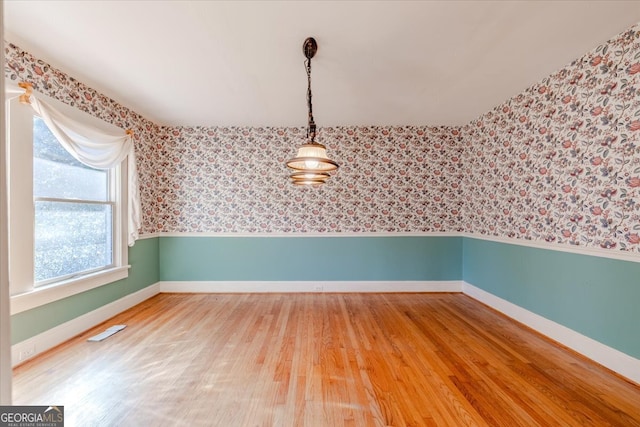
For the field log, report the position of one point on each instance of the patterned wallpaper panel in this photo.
(391, 179)
(22, 66)
(561, 161)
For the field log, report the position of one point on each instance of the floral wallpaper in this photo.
(391, 179)
(560, 162)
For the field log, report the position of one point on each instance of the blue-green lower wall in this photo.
(310, 258)
(597, 297)
(143, 258)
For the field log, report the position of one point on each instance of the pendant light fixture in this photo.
(311, 165)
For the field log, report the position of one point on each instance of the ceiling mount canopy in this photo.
(311, 166)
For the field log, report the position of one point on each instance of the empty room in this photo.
(320, 213)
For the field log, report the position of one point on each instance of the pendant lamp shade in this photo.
(312, 157)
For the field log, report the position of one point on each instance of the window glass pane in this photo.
(57, 174)
(71, 238)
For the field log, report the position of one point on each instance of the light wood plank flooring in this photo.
(323, 360)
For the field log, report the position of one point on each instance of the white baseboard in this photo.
(611, 358)
(311, 286)
(44, 341)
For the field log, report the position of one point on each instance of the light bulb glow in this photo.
(311, 164)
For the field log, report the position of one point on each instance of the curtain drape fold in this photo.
(97, 149)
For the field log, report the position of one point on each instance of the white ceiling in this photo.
(240, 63)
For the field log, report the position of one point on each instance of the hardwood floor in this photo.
(323, 360)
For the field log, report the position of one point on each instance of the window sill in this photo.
(54, 292)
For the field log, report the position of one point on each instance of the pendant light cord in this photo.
(311, 130)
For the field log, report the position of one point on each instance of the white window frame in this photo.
(25, 294)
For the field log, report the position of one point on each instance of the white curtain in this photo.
(97, 149)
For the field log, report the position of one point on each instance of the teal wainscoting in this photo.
(597, 297)
(143, 258)
(393, 258)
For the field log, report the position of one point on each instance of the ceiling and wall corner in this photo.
(20, 65)
(560, 162)
(379, 63)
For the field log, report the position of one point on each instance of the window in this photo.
(66, 232)
(73, 211)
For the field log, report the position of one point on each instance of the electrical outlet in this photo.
(27, 352)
